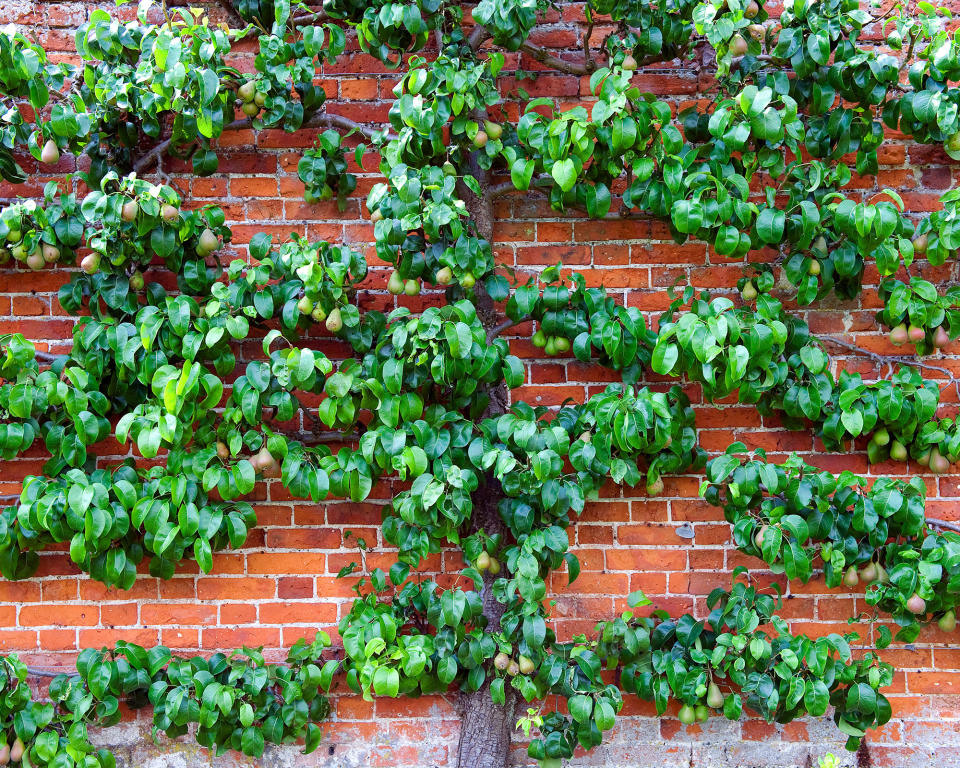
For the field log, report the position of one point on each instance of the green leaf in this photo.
(564, 173)
(581, 708)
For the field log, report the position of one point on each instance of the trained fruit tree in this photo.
(760, 171)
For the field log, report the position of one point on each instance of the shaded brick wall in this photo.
(283, 584)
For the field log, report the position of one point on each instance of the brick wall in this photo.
(283, 584)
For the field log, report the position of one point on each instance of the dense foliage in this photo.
(236, 701)
(425, 397)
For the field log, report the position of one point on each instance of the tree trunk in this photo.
(486, 727)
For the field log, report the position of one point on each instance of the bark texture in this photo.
(486, 727)
(486, 730)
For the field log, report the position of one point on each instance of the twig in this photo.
(763, 57)
(45, 357)
(506, 187)
(477, 37)
(310, 18)
(501, 327)
(315, 121)
(886, 359)
(934, 522)
(587, 56)
(584, 67)
(231, 10)
(499, 190)
(37, 672)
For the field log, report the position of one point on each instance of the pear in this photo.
(561, 344)
(898, 452)
(939, 464)
(305, 305)
(714, 696)
(250, 109)
(814, 268)
(757, 31)
(35, 260)
(501, 661)
(953, 142)
(881, 436)
(551, 346)
(50, 253)
(738, 46)
(395, 284)
(169, 214)
(260, 99)
(483, 561)
(208, 242)
(129, 211)
(411, 287)
(916, 604)
(749, 292)
(882, 577)
(898, 336)
(136, 281)
(687, 715)
(869, 572)
(587, 436)
(526, 665)
(758, 538)
(940, 337)
(5, 754)
(468, 280)
(513, 669)
(702, 713)
(494, 130)
(915, 333)
(319, 314)
(376, 216)
(656, 487)
(449, 169)
(223, 452)
(481, 139)
(17, 750)
(262, 457)
(90, 263)
(444, 276)
(50, 154)
(629, 63)
(265, 462)
(247, 91)
(948, 622)
(920, 243)
(924, 458)
(494, 566)
(334, 321)
(850, 577)
(539, 339)
(751, 10)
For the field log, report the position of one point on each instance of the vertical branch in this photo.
(487, 728)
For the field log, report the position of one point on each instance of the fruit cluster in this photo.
(700, 713)
(792, 514)
(918, 315)
(323, 171)
(552, 345)
(522, 665)
(251, 100)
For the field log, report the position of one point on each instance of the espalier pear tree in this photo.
(800, 104)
